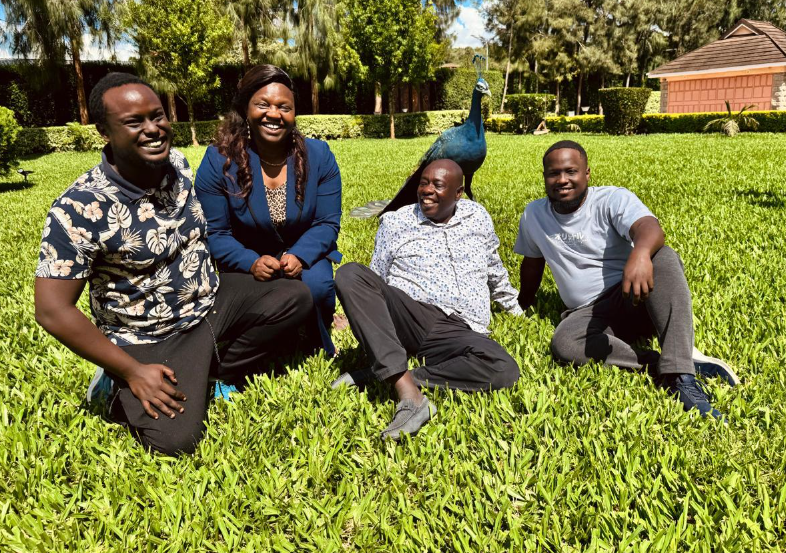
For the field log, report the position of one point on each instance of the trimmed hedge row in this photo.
(586, 123)
(9, 131)
(76, 137)
(769, 121)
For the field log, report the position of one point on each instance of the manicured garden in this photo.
(590, 458)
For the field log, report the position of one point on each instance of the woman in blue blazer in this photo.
(272, 198)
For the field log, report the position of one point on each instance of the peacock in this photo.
(465, 144)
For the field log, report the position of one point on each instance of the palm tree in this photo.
(254, 21)
(316, 36)
(52, 30)
(733, 122)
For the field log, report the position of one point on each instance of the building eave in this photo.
(741, 68)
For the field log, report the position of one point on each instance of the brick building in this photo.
(747, 65)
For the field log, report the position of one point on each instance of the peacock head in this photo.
(482, 87)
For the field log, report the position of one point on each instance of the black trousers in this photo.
(391, 326)
(248, 324)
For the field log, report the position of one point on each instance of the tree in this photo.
(254, 21)
(53, 30)
(180, 41)
(315, 44)
(394, 41)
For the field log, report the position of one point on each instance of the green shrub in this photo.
(769, 121)
(623, 108)
(653, 103)
(84, 138)
(502, 122)
(529, 109)
(9, 131)
(77, 137)
(455, 86)
(585, 123)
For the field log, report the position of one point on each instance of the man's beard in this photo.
(157, 164)
(570, 205)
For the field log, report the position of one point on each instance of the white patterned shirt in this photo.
(454, 266)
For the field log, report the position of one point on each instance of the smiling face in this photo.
(439, 189)
(566, 175)
(136, 127)
(271, 113)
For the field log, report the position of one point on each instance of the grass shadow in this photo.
(15, 186)
(761, 198)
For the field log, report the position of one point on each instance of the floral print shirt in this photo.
(454, 266)
(143, 251)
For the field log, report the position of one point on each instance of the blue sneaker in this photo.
(691, 393)
(710, 367)
(100, 390)
(222, 390)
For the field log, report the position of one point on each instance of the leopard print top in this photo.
(277, 204)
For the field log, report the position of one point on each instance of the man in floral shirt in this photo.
(133, 228)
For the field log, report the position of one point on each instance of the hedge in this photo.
(586, 123)
(769, 121)
(76, 137)
(455, 86)
(623, 108)
(529, 109)
(9, 132)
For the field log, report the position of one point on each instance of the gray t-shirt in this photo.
(586, 250)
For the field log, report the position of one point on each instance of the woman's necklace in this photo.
(272, 164)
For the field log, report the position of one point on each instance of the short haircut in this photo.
(565, 144)
(109, 81)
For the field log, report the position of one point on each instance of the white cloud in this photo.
(91, 50)
(469, 22)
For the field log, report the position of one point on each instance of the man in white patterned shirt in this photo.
(427, 293)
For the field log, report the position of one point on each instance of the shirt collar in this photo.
(130, 190)
(462, 212)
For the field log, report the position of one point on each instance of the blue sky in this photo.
(468, 25)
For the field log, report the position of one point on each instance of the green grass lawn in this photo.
(590, 458)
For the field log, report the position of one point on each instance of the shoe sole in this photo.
(712, 367)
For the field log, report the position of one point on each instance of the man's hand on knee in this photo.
(637, 276)
(149, 385)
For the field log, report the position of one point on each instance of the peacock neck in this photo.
(475, 116)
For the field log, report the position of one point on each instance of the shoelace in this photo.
(698, 392)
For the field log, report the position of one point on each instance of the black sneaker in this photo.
(691, 393)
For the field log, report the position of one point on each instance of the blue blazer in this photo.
(237, 235)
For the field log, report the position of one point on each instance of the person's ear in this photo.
(102, 131)
(588, 172)
(459, 192)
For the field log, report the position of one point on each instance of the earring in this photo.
(248, 130)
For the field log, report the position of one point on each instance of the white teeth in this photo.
(154, 144)
(271, 125)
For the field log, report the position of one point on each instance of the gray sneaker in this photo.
(353, 379)
(409, 418)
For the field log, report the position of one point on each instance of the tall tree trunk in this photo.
(416, 98)
(244, 46)
(507, 71)
(80, 80)
(537, 81)
(392, 109)
(192, 121)
(602, 85)
(557, 105)
(578, 96)
(170, 99)
(314, 95)
(377, 99)
(627, 81)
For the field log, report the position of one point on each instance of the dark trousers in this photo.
(391, 326)
(604, 330)
(319, 279)
(249, 322)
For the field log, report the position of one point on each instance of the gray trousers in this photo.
(604, 330)
(391, 326)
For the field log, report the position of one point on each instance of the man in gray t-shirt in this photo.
(619, 281)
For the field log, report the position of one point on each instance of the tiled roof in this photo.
(763, 45)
